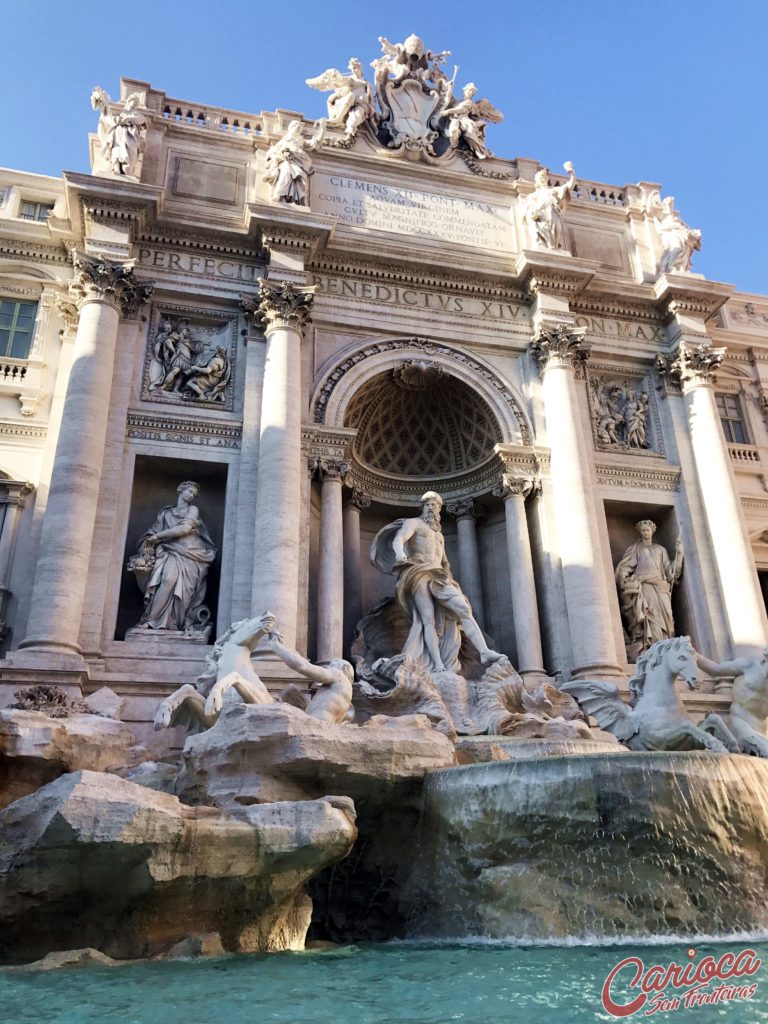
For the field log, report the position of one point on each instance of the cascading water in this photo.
(593, 846)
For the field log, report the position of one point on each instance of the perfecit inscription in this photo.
(404, 211)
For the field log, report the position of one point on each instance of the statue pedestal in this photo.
(142, 635)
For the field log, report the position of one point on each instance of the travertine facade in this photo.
(319, 323)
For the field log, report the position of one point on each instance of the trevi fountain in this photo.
(382, 561)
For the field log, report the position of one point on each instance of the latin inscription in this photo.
(405, 211)
(189, 263)
(439, 303)
(620, 328)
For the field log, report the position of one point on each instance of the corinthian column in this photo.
(284, 310)
(466, 513)
(525, 612)
(102, 291)
(353, 604)
(330, 582)
(691, 368)
(561, 353)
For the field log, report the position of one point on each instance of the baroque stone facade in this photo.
(319, 322)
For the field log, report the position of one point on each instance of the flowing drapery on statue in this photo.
(645, 577)
(413, 550)
(171, 566)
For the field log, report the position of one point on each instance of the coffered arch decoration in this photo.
(425, 415)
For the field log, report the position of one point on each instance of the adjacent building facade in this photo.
(316, 325)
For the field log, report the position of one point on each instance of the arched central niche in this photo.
(416, 420)
(427, 416)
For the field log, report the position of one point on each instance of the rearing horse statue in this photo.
(656, 718)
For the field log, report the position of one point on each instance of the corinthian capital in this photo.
(510, 485)
(690, 365)
(102, 280)
(465, 508)
(282, 305)
(560, 345)
(328, 468)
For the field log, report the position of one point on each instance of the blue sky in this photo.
(670, 92)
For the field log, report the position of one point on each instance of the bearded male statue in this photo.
(413, 550)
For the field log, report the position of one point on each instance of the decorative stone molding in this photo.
(465, 508)
(623, 411)
(22, 433)
(16, 248)
(511, 485)
(639, 477)
(327, 469)
(690, 365)
(280, 305)
(172, 430)
(70, 314)
(561, 345)
(101, 280)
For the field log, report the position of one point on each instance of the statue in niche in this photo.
(351, 102)
(122, 136)
(543, 210)
(171, 566)
(413, 550)
(748, 715)
(289, 165)
(620, 413)
(466, 121)
(179, 364)
(678, 241)
(645, 577)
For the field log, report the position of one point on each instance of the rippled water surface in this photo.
(393, 984)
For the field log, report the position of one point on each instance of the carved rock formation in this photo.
(35, 749)
(95, 860)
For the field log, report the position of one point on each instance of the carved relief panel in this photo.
(623, 412)
(190, 357)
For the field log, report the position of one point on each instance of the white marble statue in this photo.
(331, 700)
(678, 241)
(636, 419)
(608, 411)
(645, 577)
(413, 550)
(656, 718)
(180, 365)
(543, 210)
(289, 165)
(466, 121)
(228, 666)
(351, 102)
(171, 566)
(748, 715)
(122, 136)
(209, 379)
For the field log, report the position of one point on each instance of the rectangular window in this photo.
(732, 419)
(34, 211)
(17, 324)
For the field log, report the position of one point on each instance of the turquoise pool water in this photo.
(392, 984)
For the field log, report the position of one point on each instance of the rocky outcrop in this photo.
(261, 752)
(36, 749)
(93, 860)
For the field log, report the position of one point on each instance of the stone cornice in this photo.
(286, 228)
(638, 476)
(690, 295)
(180, 430)
(17, 248)
(554, 272)
(111, 199)
(167, 238)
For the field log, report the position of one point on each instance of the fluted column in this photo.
(12, 502)
(466, 513)
(353, 606)
(561, 353)
(525, 610)
(692, 369)
(330, 577)
(284, 310)
(102, 291)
